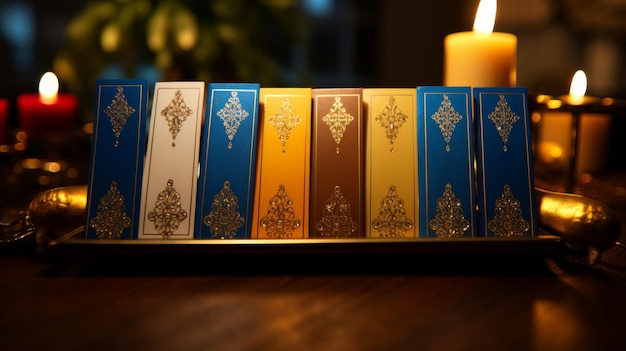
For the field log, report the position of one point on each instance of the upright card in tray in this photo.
(117, 159)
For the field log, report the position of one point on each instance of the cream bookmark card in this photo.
(169, 188)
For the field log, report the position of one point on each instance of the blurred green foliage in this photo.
(211, 40)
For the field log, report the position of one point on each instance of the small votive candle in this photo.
(4, 121)
(575, 130)
(48, 111)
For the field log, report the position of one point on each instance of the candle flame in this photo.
(485, 16)
(578, 87)
(48, 88)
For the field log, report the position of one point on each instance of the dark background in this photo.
(311, 43)
(360, 42)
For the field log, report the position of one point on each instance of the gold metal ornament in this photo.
(175, 114)
(391, 118)
(449, 220)
(503, 119)
(232, 114)
(280, 220)
(224, 219)
(118, 111)
(336, 221)
(584, 224)
(338, 119)
(59, 210)
(508, 220)
(167, 213)
(111, 219)
(392, 221)
(285, 120)
(447, 118)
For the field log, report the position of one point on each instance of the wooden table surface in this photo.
(313, 302)
(370, 302)
(318, 302)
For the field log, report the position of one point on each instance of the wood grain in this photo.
(545, 305)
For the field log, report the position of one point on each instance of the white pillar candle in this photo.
(481, 57)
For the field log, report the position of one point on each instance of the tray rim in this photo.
(543, 243)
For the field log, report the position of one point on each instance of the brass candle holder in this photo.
(576, 107)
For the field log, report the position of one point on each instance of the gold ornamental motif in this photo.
(232, 114)
(336, 219)
(167, 213)
(508, 219)
(449, 221)
(503, 118)
(391, 118)
(392, 221)
(446, 118)
(118, 111)
(285, 120)
(224, 219)
(111, 219)
(338, 120)
(175, 114)
(280, 221)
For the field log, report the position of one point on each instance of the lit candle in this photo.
(574, 130)
(4, 121)
(554, 137)
(593, 131)
(481, 57)
(48, 111)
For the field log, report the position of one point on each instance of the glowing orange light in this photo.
(578, 87)
(48, 88)
(485, 16)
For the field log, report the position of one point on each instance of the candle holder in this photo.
(576, 107)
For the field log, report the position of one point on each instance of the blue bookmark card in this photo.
(446, 187)
(506, 193)
(116, 159)
(228, 161)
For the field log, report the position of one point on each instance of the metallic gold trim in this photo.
(280, 221)
(337, 119)
(111, 219)
(392, 221)
(336, 219)
(175, 114)
(118, 111)
(232, 114)
(224, 219)
(168, 213)
(508, 219)
(391, 118)
(285, 120)
(449, 221)
(503, 118)
(447, 119)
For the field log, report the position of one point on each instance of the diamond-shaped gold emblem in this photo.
(338, 119)
(118, 111)
(447, 118)
(503, 119)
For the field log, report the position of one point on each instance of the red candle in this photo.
(47, 111)
(4, 121)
